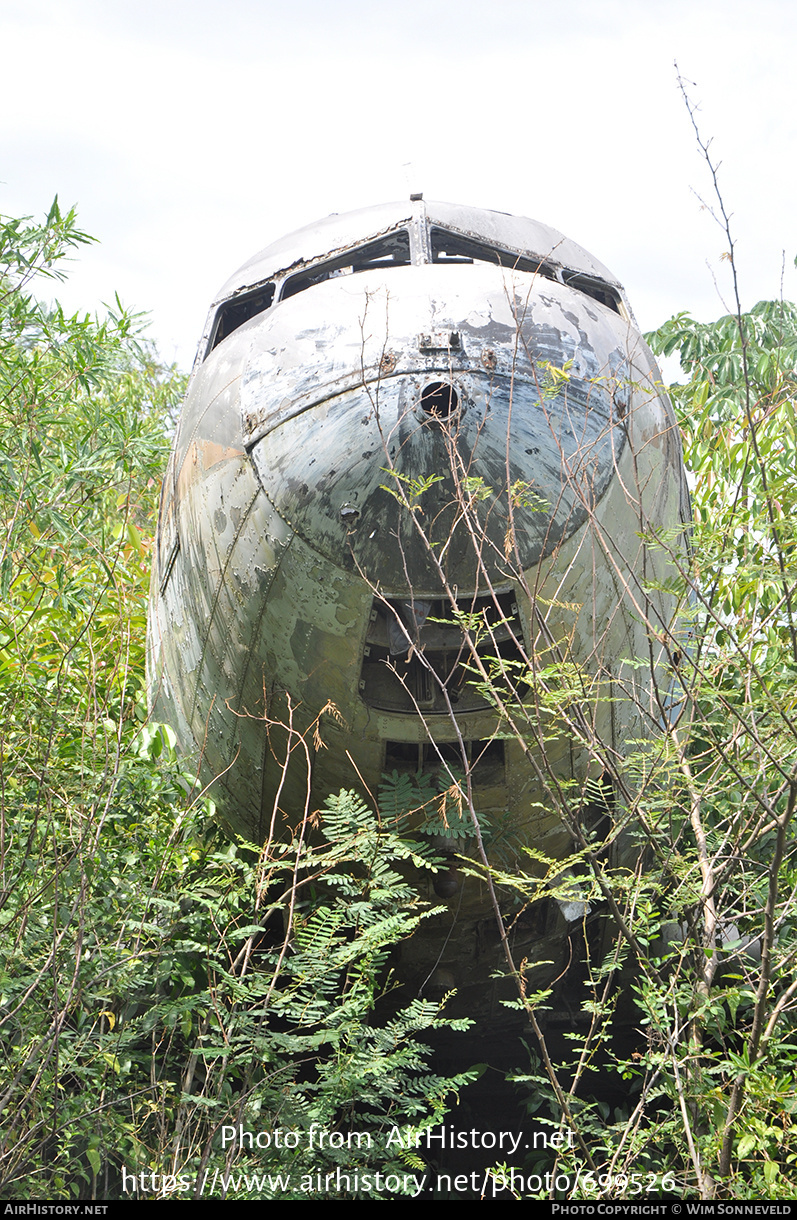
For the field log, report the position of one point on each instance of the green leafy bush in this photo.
(707, 934)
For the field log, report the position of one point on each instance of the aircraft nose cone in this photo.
(481, 427)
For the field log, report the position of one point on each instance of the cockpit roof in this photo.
(337, 233)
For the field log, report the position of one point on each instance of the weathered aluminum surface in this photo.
(279, 533)
(339, 232)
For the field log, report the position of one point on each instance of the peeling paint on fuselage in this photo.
(279, 528)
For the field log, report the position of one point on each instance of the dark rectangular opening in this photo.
(596, 289)
(452, 248)
(486, 760)
(390, 251)
(235, 312)
(418, 654)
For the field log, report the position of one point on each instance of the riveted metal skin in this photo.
(401, 346)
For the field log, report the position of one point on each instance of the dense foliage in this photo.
(698, 920)
(163, 989)
(708, 934)
(735, 755)
(149, 995)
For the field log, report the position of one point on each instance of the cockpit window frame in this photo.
(598, 290)
(465, 250)
(371, 256)
(233, 313)
(448, 247)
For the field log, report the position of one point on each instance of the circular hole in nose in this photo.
(439, 399)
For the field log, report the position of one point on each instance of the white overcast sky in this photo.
(191, 133)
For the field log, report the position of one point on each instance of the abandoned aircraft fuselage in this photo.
(397, 418)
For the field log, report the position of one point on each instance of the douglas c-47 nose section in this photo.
(422, 457)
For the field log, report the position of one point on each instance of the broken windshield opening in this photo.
(452, 248)
(390, 251)
(596, 289)
(393, 250)
(234, 313)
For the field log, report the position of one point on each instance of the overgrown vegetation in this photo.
(151, 1004)
(702, 930)
(707, 934)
